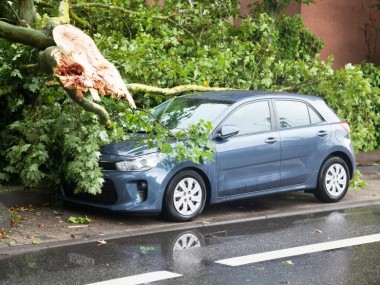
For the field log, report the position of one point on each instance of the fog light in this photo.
(142, 190)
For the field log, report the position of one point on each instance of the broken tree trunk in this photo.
(81, 66)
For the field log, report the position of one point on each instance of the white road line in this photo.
(140, 279)
(288, 252)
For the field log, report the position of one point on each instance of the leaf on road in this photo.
(36, 241)
(288, 262)
(318, 231)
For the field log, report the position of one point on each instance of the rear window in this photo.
(295, 114)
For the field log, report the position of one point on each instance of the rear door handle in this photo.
(271, 140)
(322, 133)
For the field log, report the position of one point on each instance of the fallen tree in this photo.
(78, 66)
(72, 56)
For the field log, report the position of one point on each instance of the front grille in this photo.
(107, 197)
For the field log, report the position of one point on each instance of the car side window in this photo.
(251, 118)
(295, 114)
(314, 117)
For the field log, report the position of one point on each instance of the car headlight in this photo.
(141, 163)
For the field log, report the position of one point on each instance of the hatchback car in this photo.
(265, 143)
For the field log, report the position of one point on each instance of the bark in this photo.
(28, 12)
(27, 36)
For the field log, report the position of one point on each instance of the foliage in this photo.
(5, 233)
(372, 72)
(357, 182)
(275, 7)
(44, 136)
(15, 217)
(79, 220)
(361, 106)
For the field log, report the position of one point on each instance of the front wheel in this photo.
(333, 180)
(185, 196)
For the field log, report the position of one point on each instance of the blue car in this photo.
(265, 142)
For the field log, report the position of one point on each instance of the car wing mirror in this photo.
(227, 131)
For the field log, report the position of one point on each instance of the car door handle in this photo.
(270, 140)
(322, 134)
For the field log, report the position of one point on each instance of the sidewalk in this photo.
(43, 227)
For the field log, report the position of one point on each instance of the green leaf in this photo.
(79, 220)
(36, 241)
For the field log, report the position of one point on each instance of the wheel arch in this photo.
(346, 159)
(205, 178)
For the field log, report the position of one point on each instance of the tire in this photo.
(185, 196)
(333, 180)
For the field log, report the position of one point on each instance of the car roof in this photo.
(233, 96)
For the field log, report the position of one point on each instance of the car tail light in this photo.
(345, 126)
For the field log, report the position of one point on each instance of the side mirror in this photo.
(227, 131)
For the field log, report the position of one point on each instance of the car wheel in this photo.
(185, 196)
(333, 180)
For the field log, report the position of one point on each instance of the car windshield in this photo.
(181, 112)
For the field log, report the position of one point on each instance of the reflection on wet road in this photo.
(190, 256)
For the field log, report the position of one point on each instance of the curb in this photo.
(375, 169)
(5, 219)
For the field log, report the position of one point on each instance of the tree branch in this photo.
(77, 97)
(63, 14)
(26, 36)
(80, 21)
(136, 87)
(28, 12)
(105, 6)
(115, 8)
(119, 9)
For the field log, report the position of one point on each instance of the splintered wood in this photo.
(81, 66)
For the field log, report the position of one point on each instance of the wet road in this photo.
(193, 256)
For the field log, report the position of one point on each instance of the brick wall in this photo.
(346, 26)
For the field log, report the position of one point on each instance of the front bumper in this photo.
(138, 192)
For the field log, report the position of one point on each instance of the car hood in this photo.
(132, 146)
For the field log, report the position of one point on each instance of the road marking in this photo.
(140, 279)
(294, 251)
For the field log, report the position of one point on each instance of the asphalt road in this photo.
(196, 256)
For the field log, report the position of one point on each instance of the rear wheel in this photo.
(333, 180)
(185, 196)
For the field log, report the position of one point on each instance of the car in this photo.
(265, 143)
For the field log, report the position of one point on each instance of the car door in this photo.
(304, 138)
(250, 160)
